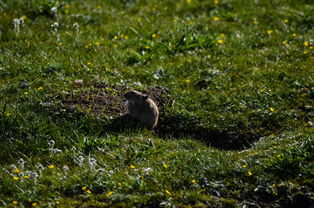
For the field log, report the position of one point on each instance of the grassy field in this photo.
(234, 81)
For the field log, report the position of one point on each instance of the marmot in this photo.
(142, 108)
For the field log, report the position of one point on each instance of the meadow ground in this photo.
(233, 80)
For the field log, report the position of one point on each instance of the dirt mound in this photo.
(102, 99)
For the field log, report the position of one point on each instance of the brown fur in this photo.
(142, 108)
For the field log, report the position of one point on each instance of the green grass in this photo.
(237, 129)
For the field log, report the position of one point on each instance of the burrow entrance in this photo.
(104, 100)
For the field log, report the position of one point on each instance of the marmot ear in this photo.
(145, 97)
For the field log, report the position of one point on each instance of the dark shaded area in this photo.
(225, 139)
(105, 100)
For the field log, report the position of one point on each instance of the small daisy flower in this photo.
(306, 43)
(51, 166)
(167, 192)
(269, 32)
(255, 22)
(285, 42)
(132, 166)
(16, 171)
(216, 19)
(16, 178)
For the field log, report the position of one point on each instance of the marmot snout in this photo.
(142, 108)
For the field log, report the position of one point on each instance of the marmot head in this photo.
(135, 96)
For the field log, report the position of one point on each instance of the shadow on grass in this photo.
(177, 126)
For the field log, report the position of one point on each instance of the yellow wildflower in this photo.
(97, 43)
(244, 166)
(165, 165)
(84, 188)
(306, 43)
(126, 37)
(34, 204)
(7, 114)
(60, 44)
(305, 52)
(311, 47)
(109, 193)
(187, 81)
(51, 166)
(132, 166)
(86, 46)
(116, 37)
(154, 35)
(294, 35)
(188, 1)
(98, 7)
(26, 177)
(40, 88)
(168, 192)
(255, 22)
(23, 17)
(279, 156)
(16, 171)
(269, 32)
(67, 6)
(216, 2)
(193, 181)
(119, 184)
(285, 20)
(222, 35)
(285, 42)
(16, 178)
(272, 109)
(216, 18)
(14, 202)
(66, 11)
(220, 41)
(147, 47)
(249, 173)
(25, 93)
(88, 191)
